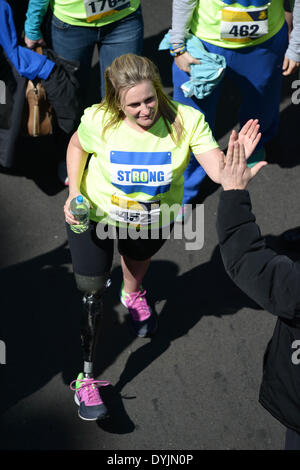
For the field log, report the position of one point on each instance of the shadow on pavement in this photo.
(118, 421)
(40, 327)
(204, 291)
(189, 298)
(37, 159)
(284, 149)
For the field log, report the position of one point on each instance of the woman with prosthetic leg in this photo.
(140, 143)
(85, 386)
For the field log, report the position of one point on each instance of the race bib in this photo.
(244, 25)
(99, 8)
(141, 172)
(131, 211)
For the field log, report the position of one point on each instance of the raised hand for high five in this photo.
(249, 136)
(233, 170)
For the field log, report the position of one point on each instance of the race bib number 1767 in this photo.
(99, 8)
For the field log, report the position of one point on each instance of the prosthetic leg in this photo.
(87, 396)
(93, 289)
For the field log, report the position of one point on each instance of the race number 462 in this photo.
(244, 30)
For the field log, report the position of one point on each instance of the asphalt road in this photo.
(195, 385)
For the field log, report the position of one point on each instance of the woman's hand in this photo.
(32, 44)
(184, 61)
(69, 217)
(76, 161)
(249, 136)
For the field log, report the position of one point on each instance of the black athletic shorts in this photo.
(92, 256)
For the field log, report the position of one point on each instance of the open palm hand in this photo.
(249, 136)
(234, 171)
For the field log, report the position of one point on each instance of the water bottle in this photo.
(80, 209)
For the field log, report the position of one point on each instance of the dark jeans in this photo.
(77, 43)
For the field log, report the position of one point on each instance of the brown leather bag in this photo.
(38, 112)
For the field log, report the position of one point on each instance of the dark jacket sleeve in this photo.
(272, 280)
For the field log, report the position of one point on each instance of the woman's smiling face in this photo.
(140, 104)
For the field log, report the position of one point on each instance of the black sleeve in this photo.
(272, 280)
(288, 5)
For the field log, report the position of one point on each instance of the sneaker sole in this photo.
(88, 419)
(123, 301)
(93, 419)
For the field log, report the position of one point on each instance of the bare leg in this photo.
(144, 322)
(133, 273)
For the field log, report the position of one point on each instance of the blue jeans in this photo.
(77, 43)
(257, 73)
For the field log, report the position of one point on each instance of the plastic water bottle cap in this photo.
(79, 199)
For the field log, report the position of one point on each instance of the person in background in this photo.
(271, 280)
(291, 238)
(253, 37)
(76, 26)
(292, 56)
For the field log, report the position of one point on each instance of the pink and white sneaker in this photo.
(87, 397)
(143, 320)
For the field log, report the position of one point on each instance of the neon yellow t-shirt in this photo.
(145, 167)
(92, 13)
(208, 15)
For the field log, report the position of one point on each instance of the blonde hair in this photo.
(127, 71)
